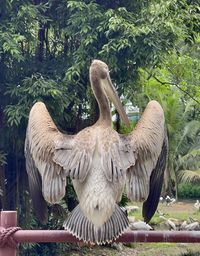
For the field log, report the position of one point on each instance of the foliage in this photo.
(124, 200)
(189, 253)
(2, 158)
(190, 176)
(188, 162)
(189, 191)
(175, 86)
(123, 128)
(44, 249)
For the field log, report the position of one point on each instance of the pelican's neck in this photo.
(103, 103)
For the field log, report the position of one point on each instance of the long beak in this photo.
(113, 96)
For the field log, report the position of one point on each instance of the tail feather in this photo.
(84, 229)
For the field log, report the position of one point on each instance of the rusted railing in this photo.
(11, 235)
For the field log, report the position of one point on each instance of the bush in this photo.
(188, 191)
(191, 254)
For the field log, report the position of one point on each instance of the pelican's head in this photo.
(99, 68)
(99, 72)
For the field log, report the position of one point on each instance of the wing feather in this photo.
(148, 143)
(156, 180)
(51, 156)
(39, 148)
(35, 186)
(77, 162)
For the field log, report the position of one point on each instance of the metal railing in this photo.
(11, 235)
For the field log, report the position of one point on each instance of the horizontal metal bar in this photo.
(36, 236)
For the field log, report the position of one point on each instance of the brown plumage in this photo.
(99, 161)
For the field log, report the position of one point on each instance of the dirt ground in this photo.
(143, 250)
(180, 210)
(184, 206)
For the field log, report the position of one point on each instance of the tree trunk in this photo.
(41, 41)
(167, 185)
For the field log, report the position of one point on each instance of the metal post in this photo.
(8, 219)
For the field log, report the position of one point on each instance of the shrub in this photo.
(191, 254)
(188, 191)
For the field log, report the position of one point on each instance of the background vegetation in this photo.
(152, 49)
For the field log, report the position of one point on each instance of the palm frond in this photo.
(192, 129)
(190, 138)
(191, 160)
(189, 176)
(189, 108)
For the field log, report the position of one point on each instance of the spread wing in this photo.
(148, 143)
(50, 157)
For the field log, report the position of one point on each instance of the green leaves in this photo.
(188, 176)
(11, 44)
(14, 114)
(175, 84)
(2, 161)
(73, 73)
(32, 89)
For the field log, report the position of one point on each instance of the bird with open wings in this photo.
(99, 161)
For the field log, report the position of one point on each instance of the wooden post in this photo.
(8, 219)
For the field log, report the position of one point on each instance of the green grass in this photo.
(166, 249)
(141, 249)
(170, 212)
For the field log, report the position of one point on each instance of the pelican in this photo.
(140, 225)
(161, 199)
(99, 161)
(183, 225)
(197, 205)
(190, 226)
(132, 208)
(169, 200)
(169, 223)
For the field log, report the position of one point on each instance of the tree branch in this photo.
(163, 83)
